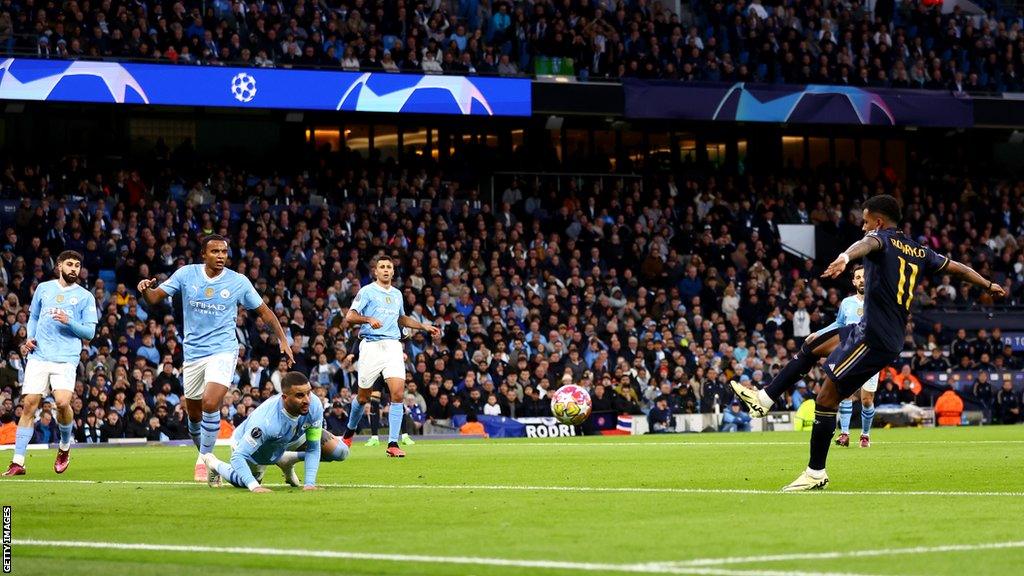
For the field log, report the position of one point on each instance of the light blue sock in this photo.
(194, 430)
(867, 415)
(21, 440)
(395, 414)
(355, 414)
(65, 434)
(210, 429)
(845, 414)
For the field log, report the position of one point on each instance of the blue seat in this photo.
(109, 278)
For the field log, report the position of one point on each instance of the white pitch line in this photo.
(646, 568)
(849, 554)
(599, 444)
(527, 488)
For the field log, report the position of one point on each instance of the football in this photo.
(571, 404)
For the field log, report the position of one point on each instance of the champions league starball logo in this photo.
(34, 80)
(41, 80)
(243, 87)
(388, 95)
(755, 106)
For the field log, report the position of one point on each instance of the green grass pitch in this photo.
(918, 502)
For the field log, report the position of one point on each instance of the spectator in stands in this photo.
(112, 428)
(1007, 405)
(660, 419)
(137, 426)
(336, 420)
(415, 416)
(888, 393)
(439, 416)
(472, 426)
(938, 362)
(949, 408)
(90, 431)
(46, 428)
(715, 392)
(798, 395)
(907, 381)
(1011, 361)
(982, 391)
(7, 428)
(960, 347)
(734, 419)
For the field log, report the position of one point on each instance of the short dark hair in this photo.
(857, 267)
(293, 378)
(211, 238)
(69, 255)
(885, 205)
(382, 258)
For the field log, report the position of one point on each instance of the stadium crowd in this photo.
(649, 298)
(912, 45)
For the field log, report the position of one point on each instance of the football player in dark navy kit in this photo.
(893, 265)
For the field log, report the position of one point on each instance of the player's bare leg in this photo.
(26, 424)
(815, 477)
(396, 412)
(815, 346)
(65, 419)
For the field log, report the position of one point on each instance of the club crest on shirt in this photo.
(208, 292)
(73, 301)
(224, 293)
(860, 311)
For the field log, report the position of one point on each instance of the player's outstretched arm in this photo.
(151, 293)
(965, 272)
(410, 322)
(856, 251)
(269, 317)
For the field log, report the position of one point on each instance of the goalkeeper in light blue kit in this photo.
(285, 429)
(850, 312)
(62, 314)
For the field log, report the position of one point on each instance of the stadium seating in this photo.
(686, 285)
(912, 45)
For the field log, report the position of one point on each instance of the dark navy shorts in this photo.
(853, 362)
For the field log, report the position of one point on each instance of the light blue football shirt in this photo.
(57, 342)
(385, 305)
(851, 310)
(210, 308)
(268, 431)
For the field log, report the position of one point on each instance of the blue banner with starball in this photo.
(796, 104)
(181, 85)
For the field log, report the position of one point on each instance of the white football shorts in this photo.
(219, 368)
(380, 357)
(41, 376)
